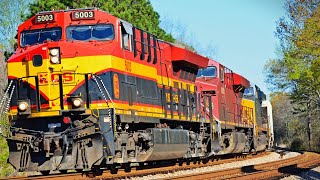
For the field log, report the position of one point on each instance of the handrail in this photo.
(4, 97)
(95, 77)
(4, 108)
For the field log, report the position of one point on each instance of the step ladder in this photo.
(105, 93)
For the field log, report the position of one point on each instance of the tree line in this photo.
(294, 77)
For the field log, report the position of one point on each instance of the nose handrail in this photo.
(37, 102)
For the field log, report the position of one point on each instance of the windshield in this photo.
(31, 37)
(249, 93)
(208, 72)
(90, 32)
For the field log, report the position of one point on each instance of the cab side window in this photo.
(221, 74)
(126, 36)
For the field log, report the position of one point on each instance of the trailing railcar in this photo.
(89, 90)
(240, 115)
(262, 117)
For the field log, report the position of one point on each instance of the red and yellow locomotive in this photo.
(89, 90)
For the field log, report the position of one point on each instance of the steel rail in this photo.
(145, 170)
(262, 171)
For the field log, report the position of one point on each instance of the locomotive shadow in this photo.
(304, 173)
(249, 169)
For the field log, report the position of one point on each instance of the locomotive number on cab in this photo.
(82, 15)
(43, 18)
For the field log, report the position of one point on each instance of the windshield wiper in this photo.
(39, 36)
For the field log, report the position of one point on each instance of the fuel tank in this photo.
(166, 144)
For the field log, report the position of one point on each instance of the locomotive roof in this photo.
(182, 54)
(179, 52)
(69, 10)
(240, 80)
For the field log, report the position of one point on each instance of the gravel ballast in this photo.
(268, 158)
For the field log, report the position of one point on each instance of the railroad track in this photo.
(273, 169)
(145, 170)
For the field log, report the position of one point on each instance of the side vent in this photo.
(142, 56)
(155, 49)
(149, 48)
(134, 42)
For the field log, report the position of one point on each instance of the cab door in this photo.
(222, 95)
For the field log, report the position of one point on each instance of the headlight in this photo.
(55, 59)
(23, 106)
(54, 52)
(55, 55)
(77, 102)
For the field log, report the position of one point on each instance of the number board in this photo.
(79, 15)
(44, 18)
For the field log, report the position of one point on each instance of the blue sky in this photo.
(240, 31)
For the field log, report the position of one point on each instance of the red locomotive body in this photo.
(226, 101)
(89, 90)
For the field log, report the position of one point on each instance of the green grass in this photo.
(5, 168)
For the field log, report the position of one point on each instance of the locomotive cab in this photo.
(49, 68)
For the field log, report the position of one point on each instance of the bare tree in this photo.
(11, 15)
(187, 38)
(210, 51)
(3, 74)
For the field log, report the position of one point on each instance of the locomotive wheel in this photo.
(127, 167)
(63, 171)
(45, 173)
(205, 161)
(96, 171)
(194, 161)
(113, 169)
